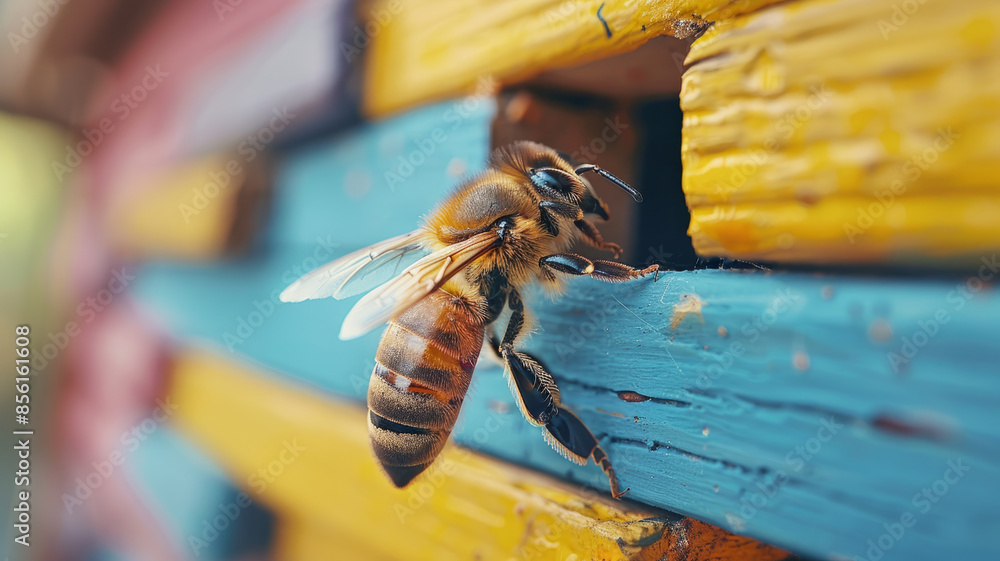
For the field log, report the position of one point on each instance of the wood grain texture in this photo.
(422, 51)
(846, 132)
(751, 369)
(313, 453)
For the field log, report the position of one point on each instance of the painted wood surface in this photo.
(846, 132)
(804, 410)
(422, 51)
(307, 457)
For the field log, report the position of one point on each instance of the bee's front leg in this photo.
(593, 236)
(611, 271)
(548, 210)
(538, 397)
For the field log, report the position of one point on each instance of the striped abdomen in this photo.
(422, 371)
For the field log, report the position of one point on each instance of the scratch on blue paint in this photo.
(600, 17)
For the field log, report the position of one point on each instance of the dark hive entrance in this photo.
(622, 114)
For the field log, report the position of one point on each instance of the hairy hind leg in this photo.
(538, 396)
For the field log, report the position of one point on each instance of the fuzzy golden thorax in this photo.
(478, 204)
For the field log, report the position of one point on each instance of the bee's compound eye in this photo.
(504, 226)
(545, 181)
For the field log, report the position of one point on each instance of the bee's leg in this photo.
(496, 299)
(550, 208)
(593, 236)
(538, 397)
(494, 345)
(534, 388)
(571, 438)
(610, 271)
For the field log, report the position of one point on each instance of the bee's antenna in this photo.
(610, 177)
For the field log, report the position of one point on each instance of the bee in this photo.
(499, 231)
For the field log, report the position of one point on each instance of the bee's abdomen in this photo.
(423, 368)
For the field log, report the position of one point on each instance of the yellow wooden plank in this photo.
(185, 212)
(691, 540)
(420, 50)
(306, 457)
(300, 540)
(847, 131)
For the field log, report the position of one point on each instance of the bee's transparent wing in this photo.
(357, 272)
(419, 280)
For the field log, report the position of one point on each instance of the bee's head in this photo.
(553, 177)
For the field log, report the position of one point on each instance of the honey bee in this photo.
(500, 230)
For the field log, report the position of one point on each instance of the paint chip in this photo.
(687, 305)
(880, 330)
(929, 427)
(632, 397)
(457, 168)
(801, 361)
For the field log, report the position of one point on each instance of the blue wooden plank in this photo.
(747, 374)
(202, 511)
(721, 432)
